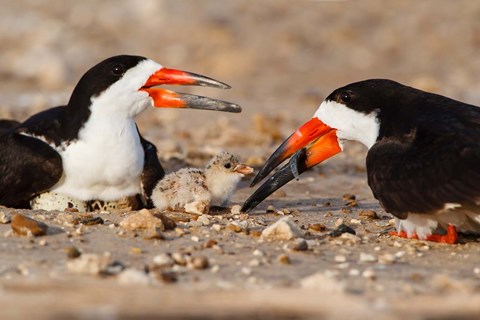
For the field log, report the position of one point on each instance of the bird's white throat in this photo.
(350, 124)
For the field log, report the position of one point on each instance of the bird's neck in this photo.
(221, 186)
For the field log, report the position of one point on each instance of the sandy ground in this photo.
(281, 58)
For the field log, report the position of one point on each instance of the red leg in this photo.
(402, 234)
(451, 237)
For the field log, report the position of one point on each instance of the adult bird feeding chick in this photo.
(91, 149)
(423, 154)
(195, 190)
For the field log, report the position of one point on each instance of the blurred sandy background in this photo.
(281, 58)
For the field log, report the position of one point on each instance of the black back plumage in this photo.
(428, 150)
(7, 125)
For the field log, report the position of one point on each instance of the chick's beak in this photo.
(311, 144)
(243, 169)
(163, 98)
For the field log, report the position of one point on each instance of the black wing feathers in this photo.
(28, 167)
(437, 162)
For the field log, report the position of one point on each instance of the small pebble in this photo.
(22, 225)
(369, 274)
(179, 231)
(365, 257)
(424, 248)
(284, 259)
(339, 222)
(258, 253)
(340, 259)
(236, 209)
(142, 220)
(350, 238)
(324, 280)
(271, 209)
(352, 203)
(210, 243)
(163, 260)
(90, 221)
(254, 263)
(155, 234)
(300, 245)
(217, 227)
(5, 218)
(317, 227)
(195, 238)
(80, 230)
(368, 214)
(255, 233)
(114, 268)
(354, 272)
(386, 258)
(348, 197)
(42, 242)
(342, 228)
(200, 262)
(204, 220)
(89, 263)
(23, 270)
(233, 227)
(134, 276)
(195, 224)
(72, 252)
(246, 271)
(355, 221)
(280, 193)
(136, 250)
(179, 259)
(166, 276)
(284, 229)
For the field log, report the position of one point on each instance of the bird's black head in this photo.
(369, 96)
(101, 76)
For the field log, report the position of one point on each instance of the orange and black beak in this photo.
(163, 98)
(311, 144)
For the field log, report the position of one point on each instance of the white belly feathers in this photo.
(105, 163)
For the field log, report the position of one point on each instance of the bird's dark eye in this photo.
(345, 97)
(118, 69)
(227, 165)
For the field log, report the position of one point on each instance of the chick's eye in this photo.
(118, 69)
(345, 97)
(227, 165)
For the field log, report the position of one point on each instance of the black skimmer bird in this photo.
(423, 154)
(197, 190)
(91, 148)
